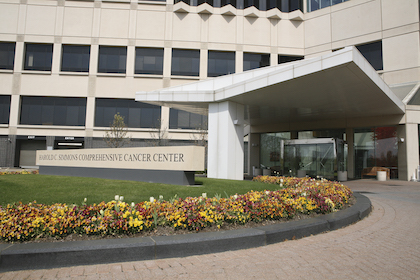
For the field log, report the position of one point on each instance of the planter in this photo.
(342, 176)
(257, 171)
(301, 173)
(381, 175)
(266, 172)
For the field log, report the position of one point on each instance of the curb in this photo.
(60, 254)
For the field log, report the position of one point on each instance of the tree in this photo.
(159, 136)
(200, 136)
(116, 136)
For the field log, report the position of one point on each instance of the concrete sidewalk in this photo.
(385, 245)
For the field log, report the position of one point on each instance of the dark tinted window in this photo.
(112, 59)
(185, 120)
(227, 2)
(4, 109)
(68, 111)
(288, 58)
(136, 114)
(249, 3)
(255, 60)
(75, 58)
(319, 4)
(38, 57)
(7, 55)
(149, 61)
(373, 53)
(185, 62)
(220, 63)
(210, 2)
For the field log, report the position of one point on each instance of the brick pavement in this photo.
(385, 245)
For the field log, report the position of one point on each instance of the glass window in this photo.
(249, 3)
(149, 61)
(75, 58)
(185, 62)
(288, 58)
(210, 2)
(7, 55)
(287, 6)
(376, 147)
(220, 63)
(38, 57)
(112, 59)
(415, 100)
(373, 53)
(179, 119)
(39, 110)
(256, 60)
(136, 114)
(314, 5)
(4, 109)
(227, 2)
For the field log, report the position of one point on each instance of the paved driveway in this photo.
(385, 245)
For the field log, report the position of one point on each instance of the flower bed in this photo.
(20, 222)
(19, 172)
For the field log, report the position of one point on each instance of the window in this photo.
(179, 119)
(288, 58)
(38, 57)
(227, 2)
(220, 63)
(314, 5)
(112, 59)
(75, 58)
(149, 61)
(373, 53)
(7, 55)
(249, 3)
(185, 62)
(255, 60)
(210, 2)
(39, 110)
(136, 114)
(4, 109)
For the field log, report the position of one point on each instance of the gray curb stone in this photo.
(59, 254)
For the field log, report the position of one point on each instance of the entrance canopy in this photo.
(341, 85)
(338, 85)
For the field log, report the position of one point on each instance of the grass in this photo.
(48, 189)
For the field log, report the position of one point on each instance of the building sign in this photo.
(182, 158)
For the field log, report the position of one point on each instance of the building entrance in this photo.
(322, 157)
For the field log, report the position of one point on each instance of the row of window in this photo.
(71, 111)
(285, 6)
(113, 59)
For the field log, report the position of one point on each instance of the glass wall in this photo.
(270, 150)
(376, 147)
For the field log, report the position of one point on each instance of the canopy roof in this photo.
(337, 85)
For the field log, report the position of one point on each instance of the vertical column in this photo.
(408, 150)
(226, 141)
(350, 152)
(253, 152)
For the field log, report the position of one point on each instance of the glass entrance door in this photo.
(311, 157)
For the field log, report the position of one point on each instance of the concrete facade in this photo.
(168, 25)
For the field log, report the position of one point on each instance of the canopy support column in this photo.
(226, 141)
